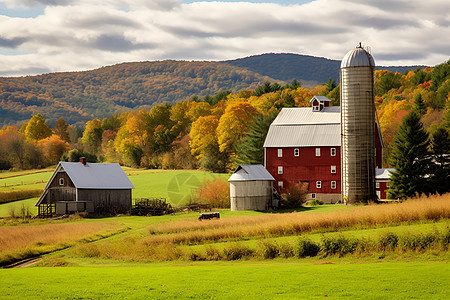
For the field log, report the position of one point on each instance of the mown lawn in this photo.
(236, 280)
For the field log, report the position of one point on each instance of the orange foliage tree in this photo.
(215, 192)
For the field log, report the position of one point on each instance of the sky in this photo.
(42, 36)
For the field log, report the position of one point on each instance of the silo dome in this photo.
(358, 57)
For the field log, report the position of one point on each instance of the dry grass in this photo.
(167, 241)
(193, 231)
(11, 196)
(14, 237)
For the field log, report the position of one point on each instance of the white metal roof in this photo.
(320, 99)
(303, 127)
(383, 173)
(358, 57)
(95, 175)
(251, 173)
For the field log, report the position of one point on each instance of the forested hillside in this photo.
(310, 70)
(217, 132)
(81, 96)
(100, 93)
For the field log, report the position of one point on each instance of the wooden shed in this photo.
(86, 187)
(251, 188)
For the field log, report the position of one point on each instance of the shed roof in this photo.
(251, 173)
(303, 127)
(383, 173)
(95, 175)
(320, 99)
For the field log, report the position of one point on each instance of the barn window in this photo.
(313, 196)
(333, 185)
(280, 170)
(280, 152)
(319, 184)
(333, 151)
(61, 181)
(280, 184)
(317, 151)
(296, 152)
(377, 185)
(333, 169)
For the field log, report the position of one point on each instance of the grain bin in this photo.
(251, 188)
(358, 126)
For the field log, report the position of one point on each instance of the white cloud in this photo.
(85, 34)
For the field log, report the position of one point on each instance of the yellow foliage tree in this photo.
(234, 124)
(53, 148)
(37, 129)
(203, 135)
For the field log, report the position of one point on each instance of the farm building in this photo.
(86, 187)
(303, 145)
(382, 181)
(251, 188)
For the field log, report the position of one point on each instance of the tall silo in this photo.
(358, 126)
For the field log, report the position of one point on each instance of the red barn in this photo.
(303, 145)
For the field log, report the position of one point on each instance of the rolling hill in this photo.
(81, 96)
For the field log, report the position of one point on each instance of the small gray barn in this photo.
(86, 187)
(251, 188)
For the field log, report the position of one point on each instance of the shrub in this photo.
(212, 253)
(306, 247)
(286, 250)
(215, 192)
(338, 245)
(268, 250)
(295, 195)
(388, 241)
(236, 251)
(445, 238)
(315, 202)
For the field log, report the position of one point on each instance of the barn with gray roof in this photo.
(86, 187)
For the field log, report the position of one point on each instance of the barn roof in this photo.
(251, 173)
(95, 175)
(303, 127)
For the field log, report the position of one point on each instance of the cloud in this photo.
(86, 34)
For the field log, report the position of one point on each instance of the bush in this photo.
(338, 245)
(216, 192)
(268, 250)
(306, 247)
(295, 195)
(315, 202)
(388, 241)
(236, 251)
(5, 164)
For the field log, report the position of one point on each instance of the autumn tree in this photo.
(37, 129)
(92, 136)
(409, 158)
(61, 129)
(233, 125)
(53, 148)
(204, 144)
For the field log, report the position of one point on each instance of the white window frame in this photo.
(280, 152)
(280, 170)
(280, 184)
(333, 169)
(297, 152)
(333, 151)
(377, 185)
(317, 151)
(61, 181)
(313, 195)
(333, 185)
(318, 184)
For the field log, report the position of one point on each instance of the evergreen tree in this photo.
(409, 158)
(250, 149)
(419, 105)
(440, 164)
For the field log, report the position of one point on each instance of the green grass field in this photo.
(240, 280)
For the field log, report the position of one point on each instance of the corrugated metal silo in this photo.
(251, 188)
(358, 126)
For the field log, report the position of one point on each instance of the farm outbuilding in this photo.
(86, 187)
(251, 188)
